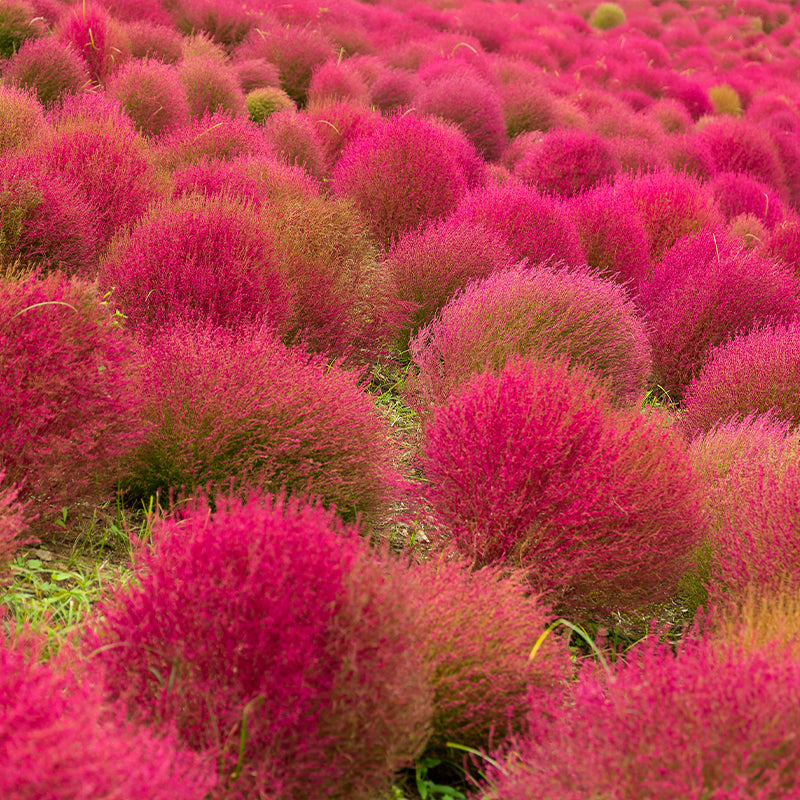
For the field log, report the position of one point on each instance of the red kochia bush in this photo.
(567, 162)
(737, 193)
(49, 68)
(152, 95)
(756, 372)
(13, 521)
(68, 404)
(240, 406)
(211, 87)
(401, 176)
(540, 312)
(534, 226)
(533, 466)
(82, 746)
(21, 117)
(783, 242)
(705, 290)
(269, 636)
(712, 722)
(473, 105)
(207, 258)
(479, 628)
(46, 221)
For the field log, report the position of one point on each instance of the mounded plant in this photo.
(211, 87)
(21, 118)
(331, 674)
(737, 193)
(264, 101)
(13, 522)
(19, 22)
(533, 467)
(607, 16)
(540, 312)
(69, 403)
(240, 407)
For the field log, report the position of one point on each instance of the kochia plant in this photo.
(541, 312)
(82, 745)
(13, 521)
(268, 636)
(19, 23)
(737, 193)
(714, 721)
(243, 408)
(21, 117)
(68, 402)
(705, 290)
(532, 466)
(211, 87)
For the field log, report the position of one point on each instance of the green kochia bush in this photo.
(271, 638)
(539, 312)
(533, 466)
(242, 407)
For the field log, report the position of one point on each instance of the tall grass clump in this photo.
(46, 222)
(706, 289)
(479, 628)
(152, 95)
(534, 226)
(198, 258)
(81, 746)
(710, 722)
(538, 311)
(756, 372)
(49, 68)
(533, 467)
(330, 675)
(240, 407)
(402, 176)
(427, 267)
(69, 404)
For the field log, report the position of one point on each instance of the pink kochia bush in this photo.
(68, 401)
(269, 637)
(402, 176)
(207, 258)
(756, 372)
(567, 162)
(479, 630)
(534, 226)
(532, 466)
(737, 193)
(242, 407)
(715, 721)
(705, 290)
(541, 312)
(13, 521)
(82, 746)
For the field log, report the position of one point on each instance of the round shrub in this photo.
(567, 162)
(226, 22)
(46, 222)
(215, 137)
(206, 258)
(540, 312)
(612, 234)
(725, 100)
(471, 104)
(330, 675)
(265, 101)
(96, 36)
(705, 290)
(295, 141)
(81, 745)
(534, 226)
(670, 205)
(152, 95)
(714, 721)
(339, 124)
(756, 372)
(333, 81)
(427, 267)
(256, 73)
(109, 163)
(737, 193)
(401, 176)
(528, 106)
(19, 23)
(211, 87)
(479, 628)
(49, 68)
(394, 89)
(68, 402)
(607, 16)
(783, 242)
(240, 406)
(154, 40)
(749, 230)
(21, 118)
(532, 466)
(739, 145)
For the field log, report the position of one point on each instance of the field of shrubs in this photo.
(399, 400)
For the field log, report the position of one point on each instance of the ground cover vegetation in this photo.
(399, 400)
